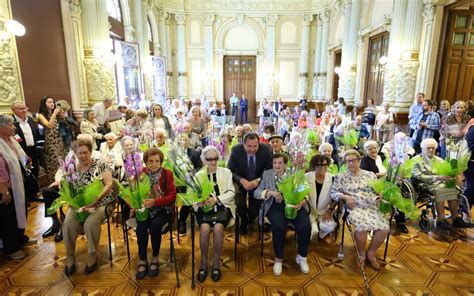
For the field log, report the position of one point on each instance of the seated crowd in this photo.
(245, 168)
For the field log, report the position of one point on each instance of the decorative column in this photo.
(270, 22)
(71, 13)
(209, 56)
(146, 63)
(317, 58)
(349, 53)
(169, 61)
(324, 57)
(392, 70)
(98, 59)
(410, 55)
(220, 72)
(181, 52)
(162, 16)
(10, 79)
(303, 80)
(429, 11)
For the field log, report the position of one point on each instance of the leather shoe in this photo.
(58, 237)
(402, 228)
(459, 223)
(152, 272)
(90, 269)
(202, 274)
(50, 232)
(216, 275)
(140, 275)
(68, 271)
(182, 227)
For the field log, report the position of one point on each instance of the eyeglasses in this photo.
(212, 159)
(354, 160)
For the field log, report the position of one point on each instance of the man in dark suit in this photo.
(244, 107)
(247, 162)
(27, 136)
(469, 173)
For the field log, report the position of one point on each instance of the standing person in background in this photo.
(368, 116)
(303, 102)
(384, 123)
(427, 123)
(278, 107)
(247, 162)
(89, 126)
(53, 145)
(27, 136)
(102, 115)
(341, 107)
(244, 105)
(444, 108)
(415, 110)
(234, 102)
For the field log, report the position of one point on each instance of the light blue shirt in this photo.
(415, 111)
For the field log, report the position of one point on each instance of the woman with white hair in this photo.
(223, 203)
(373, 160)
(436, 185)
(160, 138)
(327, 150)
(112, 153)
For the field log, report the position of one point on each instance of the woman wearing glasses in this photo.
(322, 207)
(223, 203)
(362, 202)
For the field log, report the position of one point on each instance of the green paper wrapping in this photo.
(451, 167)
(134, 195)
(392, 197)
(311, 136)
(77, 197)
(294, 189)
(333, 169)
(349, 138)
(406, 169)
(191, 197)
(143, 147)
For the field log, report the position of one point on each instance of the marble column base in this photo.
(347, 86)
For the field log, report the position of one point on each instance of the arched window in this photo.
(114, 9)
(150, 35)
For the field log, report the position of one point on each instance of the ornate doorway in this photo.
(378, 47)
(240, 78)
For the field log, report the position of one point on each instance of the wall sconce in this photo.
(383, 60)
(15, 28)
(337, 70)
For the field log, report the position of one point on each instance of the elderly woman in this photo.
(222, 199)
(373, 160)
(383, 123)
(303, 120)
(88, 170)
(159, 120)
(89, 127)
(274, 209)
(111, 152)
(160, 211)
(435, 184)
(328, 150)
(160, 139)
(322, 206)
(12, 193)
(362, 202)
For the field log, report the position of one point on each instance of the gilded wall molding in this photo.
(100, 78)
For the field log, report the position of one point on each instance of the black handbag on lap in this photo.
(216, 216)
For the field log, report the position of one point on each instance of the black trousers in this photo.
(9, 233)
(249, 212)
(32, 152)
(50, 194)
(152, 227)
(276, 215)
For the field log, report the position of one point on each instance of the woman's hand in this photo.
(148, 203)
(443, 178)
(211, 201)
(300, 205)
(350, 202)
(6, 198)
(90, 208)
(327, 215)
(276, 195)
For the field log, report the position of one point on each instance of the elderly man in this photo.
(247, 162)
(27, 136)
(102, 115)
(194, 141)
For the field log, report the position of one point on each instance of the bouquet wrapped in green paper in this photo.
(198, 190)
(74, 195)
(294, 189)
(451, 167)
(349, 139)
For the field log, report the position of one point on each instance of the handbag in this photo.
(218, 215)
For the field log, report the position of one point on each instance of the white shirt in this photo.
(26, 129)
(101, 113)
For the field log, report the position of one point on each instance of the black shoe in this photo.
(460, 223)
(140, 275)
(58, 237)
(51, 231)
(216, 275)
(155, 271)
(182, 227)
(243, 230)
(402, 228)
(202, 274)
(36, 199)
(443, 224)
(267, 227)
(90, 269)
(68, 271)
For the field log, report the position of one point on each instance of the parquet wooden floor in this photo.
(417, 264)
